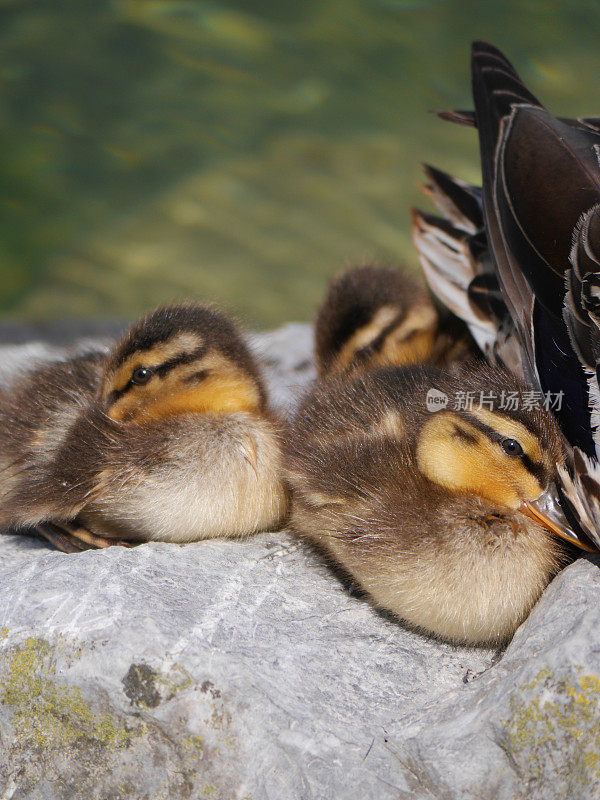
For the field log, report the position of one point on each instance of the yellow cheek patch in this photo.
(402, 353)
(225, 388)
(221, 394)
(472, 463)
(216, 394)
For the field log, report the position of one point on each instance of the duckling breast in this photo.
(189, 478)
(471, 575)
(458, 569)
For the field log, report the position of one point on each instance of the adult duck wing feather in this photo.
(541, 176)
(582, 302)
(540, 236)
(455, 257)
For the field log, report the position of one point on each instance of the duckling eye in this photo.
(141, 375)
(511, 447)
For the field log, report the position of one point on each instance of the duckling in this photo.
(445, 518)
(375, 315)
(167, 436)
(444, 511)
(529, 241)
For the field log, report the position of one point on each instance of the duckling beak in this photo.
(547, 511)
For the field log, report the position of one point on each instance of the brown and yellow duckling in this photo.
(168, 436)
(377, 316)
(446, 518)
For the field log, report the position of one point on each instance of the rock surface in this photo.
(248, 671)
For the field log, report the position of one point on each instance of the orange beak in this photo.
(547, 511)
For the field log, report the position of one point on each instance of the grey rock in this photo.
(248, 669)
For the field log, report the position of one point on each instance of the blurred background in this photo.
(241, 151)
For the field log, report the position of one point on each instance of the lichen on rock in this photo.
(552, 716)
(49, 715)
(65, 744)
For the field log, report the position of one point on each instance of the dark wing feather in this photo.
(496, 88)
(539, 176)
(455, 258)
(541, 241)
(581, 490)
(548, 176)
(466, 118)
(459, 201)
(582, 302)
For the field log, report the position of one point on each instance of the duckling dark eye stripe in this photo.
(378, 342)
(185, 358)
(461, 433)
(539, 472)
(115, 395)
(492, 435)
(196, 377)
(161, 371)
(527, 421)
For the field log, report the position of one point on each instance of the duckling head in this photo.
(374, 316)
(489, 454)
(507, 457)
(182, 359)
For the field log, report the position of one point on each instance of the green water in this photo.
(241, 151)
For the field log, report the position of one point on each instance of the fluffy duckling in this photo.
(167, 436)
(377, 316)
(442, 508)
(443, 517)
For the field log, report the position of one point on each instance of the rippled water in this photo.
(241, 151)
